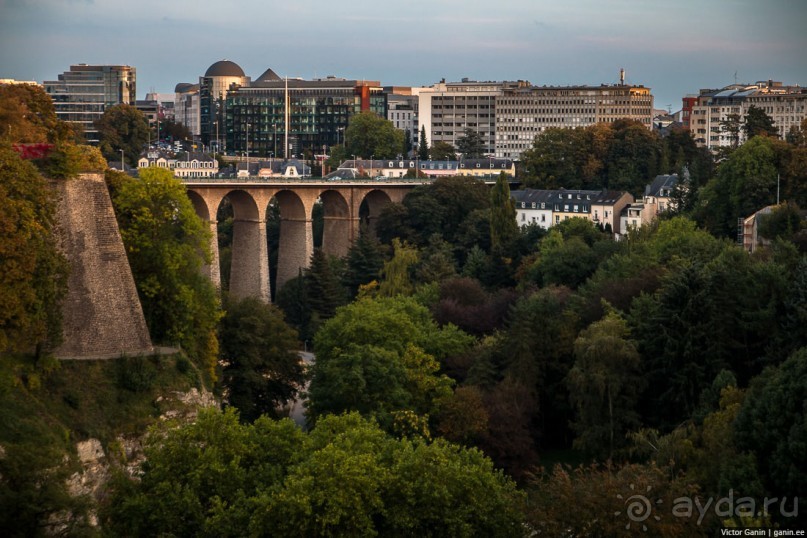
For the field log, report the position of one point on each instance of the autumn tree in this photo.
(33, 272)
(27, 115)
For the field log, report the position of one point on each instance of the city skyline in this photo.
(675, 48)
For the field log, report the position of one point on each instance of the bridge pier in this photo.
(338, 234)
(295, 248)
(249, 273)
(212, 270)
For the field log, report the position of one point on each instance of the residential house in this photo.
(183, 165)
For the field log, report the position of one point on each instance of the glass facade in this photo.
(318, 115)
(82, 94)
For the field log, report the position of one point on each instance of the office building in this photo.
(82, 94)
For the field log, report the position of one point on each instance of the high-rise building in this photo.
(446, 109)
(186, 107)
(82, 94)
(509, 115)
(716, 117)
(269, 113)
(525, 111)
(213, 88)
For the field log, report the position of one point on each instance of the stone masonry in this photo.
(102, 313)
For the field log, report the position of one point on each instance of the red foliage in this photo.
(33, 151)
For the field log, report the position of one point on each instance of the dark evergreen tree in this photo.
(471, 144)
(323, 287)
(261, 369)
(757, 122)
(503, 225)
(423, 145)
(364, 261)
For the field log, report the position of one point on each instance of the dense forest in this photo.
(471, 378)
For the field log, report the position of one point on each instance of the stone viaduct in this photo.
(346, 204)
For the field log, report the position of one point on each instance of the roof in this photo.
(343, 173)
(182, 87)
(224, 68)
(666, 182)
(267, 76)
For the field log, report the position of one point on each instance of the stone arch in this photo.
(371, 206)
(339, 225)
(249, 270)
(296, 235)
(202, 207)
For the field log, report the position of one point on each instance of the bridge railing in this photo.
(302, 181)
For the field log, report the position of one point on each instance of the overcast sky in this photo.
(675, 47)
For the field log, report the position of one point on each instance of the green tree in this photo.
(744, 184)
(261, 371)
(323, 282)
(338, 155)
(423, 145)
(216, 477)
(772, 424)
(365, 258)
(442, 151)
(732, 125)
(757, 122)
(471, 145)
(503, 225)
(33, 272)
(604, 385)
(634, 157)
(396, 277)
(167, 244)
(381, 357)
(172, 130)
(369, 135)
(122, 127)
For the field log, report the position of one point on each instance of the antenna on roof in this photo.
(735, 77)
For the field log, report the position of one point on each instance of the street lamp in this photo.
(248, 126)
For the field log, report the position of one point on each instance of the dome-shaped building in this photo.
(213, 87)
(224, 68)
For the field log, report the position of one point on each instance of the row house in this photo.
(274, 168)
(396, 168)
(183, 165)
(658, 198)
(545, 208)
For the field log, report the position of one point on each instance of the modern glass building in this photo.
(82, 94)
(318, 114)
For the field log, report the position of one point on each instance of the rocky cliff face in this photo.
(125, 452)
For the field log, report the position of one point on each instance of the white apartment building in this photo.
(524, 112)
(786, 105)
(186, 107)
(402, 112)
(446, 109)
(509, 115)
